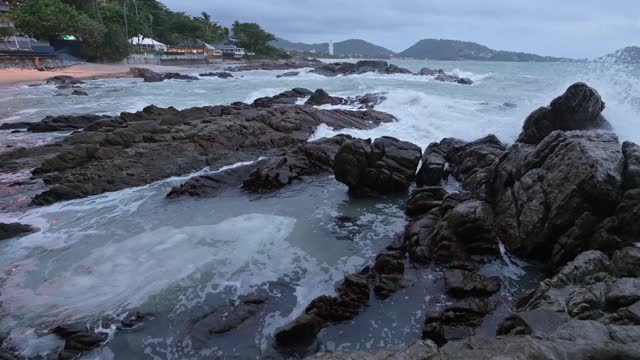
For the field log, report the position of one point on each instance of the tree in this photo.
(49, 19)
(253, 38)
(6, 28)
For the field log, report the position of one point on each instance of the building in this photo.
(231, 51)
(331, 47)
(198, 47)
(143, 43)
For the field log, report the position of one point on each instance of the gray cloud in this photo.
(572, 28)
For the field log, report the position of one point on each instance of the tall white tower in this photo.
(331, 47)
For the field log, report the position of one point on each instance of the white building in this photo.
(147, 43)
(331, 47)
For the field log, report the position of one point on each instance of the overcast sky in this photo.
(571, 28)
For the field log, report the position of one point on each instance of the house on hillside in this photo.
(143, 43)
(231, 51)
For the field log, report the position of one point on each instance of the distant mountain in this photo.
(349, 48)
(627, 56)
(439, 49)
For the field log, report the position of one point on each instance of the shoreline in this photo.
(85, 71)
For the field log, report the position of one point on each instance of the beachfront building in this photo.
(231, 51)
(196, 47)
(143, 43)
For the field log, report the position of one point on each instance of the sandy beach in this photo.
(81, 71)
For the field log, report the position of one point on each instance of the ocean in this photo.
(105, 256)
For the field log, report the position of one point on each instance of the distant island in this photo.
(627, 56)
(431, 49)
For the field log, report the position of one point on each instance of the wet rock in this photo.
(228, 317)
(432, 171)
(14, 126)
(624, 334)
(320, 97)
(385, 167)
(221, 75)
(627, 262)
(423, 350)
(278, 64)
(462, 283)
(534, 322)
(456, 321)
(540, 192)
(288, 74)
(470, 163)
(430, 72)
(64, 80)
(582, 331)
(146, 74)
(286, 98)
(623, 292)
(134, 320)
(453, 79)
(64, 123)
(158, 143)
(361, 67)
(178, 76)
(425, 199)
(389, 270)
(79, 93)
(579, 108)
(301, 332)
(78, 340)
(311, 159)
(631, 153)
(8, 231)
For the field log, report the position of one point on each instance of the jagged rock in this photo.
(300, 332)
(79, 93)
(8, 231)
(278, 64)
(64, 123)
(311, 159)
(627, 262)
(221, 75)
(146, 74)
(623, 292)
(320, 97)
(178, 76)
(624, 334)
(631, 154)
(430, 72)
(579, 108)
(425, 199)
(288, 74)
(156, 143)
(389, 268)
(78, 340)
(460, 283)
(534, 322)
(432, 171)
(286, 98)
(361, 67)
(385, 167)
(133, 321)
(582, 331)
(453, 79)
(539, 192)
(456, 321)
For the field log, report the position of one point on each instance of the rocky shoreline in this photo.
(566, 193)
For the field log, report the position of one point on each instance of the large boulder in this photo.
(146, 74)
(432, 171)
(320, 97)
(539, 192)
(579, 108)
(385, 167)
(361, 67)
(8, 231)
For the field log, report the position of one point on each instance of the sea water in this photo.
(133, 250)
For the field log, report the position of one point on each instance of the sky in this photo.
(564, 28)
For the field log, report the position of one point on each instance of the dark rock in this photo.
(432, 171)
(13, 126)
(624, 334)
(425, 199)
(64, 123)
(146, 74)
(228, 317)
(579, 108)
(64, 80)
(178, 76)
(79, 93)
(453, 79)
(361, 67)
(300, 332)
(631, 173)
(286, 98)
(78, 340)
(289, 74)
(221, 75)
(627, 262)
(311, 159)
(582, 331)
(462, 283)
(156, 143)
(320, 97)
(8, 231)
(134, 320)
(278, 64)
(539, 192)
(385, 167)
(623, 292)
(534, 322)
(430, 72)
(456, 321)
